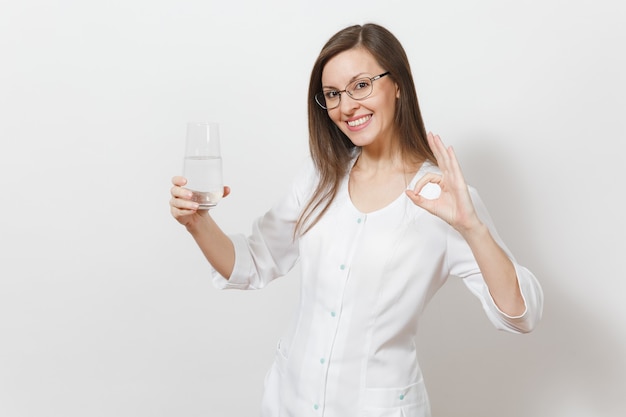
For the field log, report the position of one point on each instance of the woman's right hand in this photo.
(184, 210)
(215, 245)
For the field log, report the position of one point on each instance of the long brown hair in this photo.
(331, 150)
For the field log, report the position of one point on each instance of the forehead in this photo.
(349, 64)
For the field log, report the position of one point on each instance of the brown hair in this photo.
(331, 150)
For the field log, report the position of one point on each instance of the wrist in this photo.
(474, 232)
(197, 222)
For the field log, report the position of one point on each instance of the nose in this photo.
(347, 103)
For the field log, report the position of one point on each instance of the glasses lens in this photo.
(328, 99)
(319, 98)
(360, 89)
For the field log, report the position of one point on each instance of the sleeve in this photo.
(461, 263)
(271, 250)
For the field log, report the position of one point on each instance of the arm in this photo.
(212, 241)
(497, 270)
(247, 262)
(454, 205)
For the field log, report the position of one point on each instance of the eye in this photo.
(361, 84)
(331, 94)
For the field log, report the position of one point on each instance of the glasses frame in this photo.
(320, 96)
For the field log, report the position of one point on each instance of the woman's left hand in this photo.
(454, 204)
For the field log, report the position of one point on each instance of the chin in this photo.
(359, 140)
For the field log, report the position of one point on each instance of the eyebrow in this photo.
(354, 78)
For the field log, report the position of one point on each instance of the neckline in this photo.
(402, 196)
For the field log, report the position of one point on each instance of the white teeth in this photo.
(358, 122)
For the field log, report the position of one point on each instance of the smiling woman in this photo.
(355, 114)
(379, 220)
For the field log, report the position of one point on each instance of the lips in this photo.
(359, 121)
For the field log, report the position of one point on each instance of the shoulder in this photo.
(305, 180)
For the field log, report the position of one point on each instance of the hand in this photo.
(454, 204)
(184, 210)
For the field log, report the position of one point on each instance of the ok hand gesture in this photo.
(454, 204)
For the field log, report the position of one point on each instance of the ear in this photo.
(397, 91)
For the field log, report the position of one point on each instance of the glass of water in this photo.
(203, 164)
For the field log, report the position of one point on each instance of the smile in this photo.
(359, 122)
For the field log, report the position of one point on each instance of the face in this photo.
(369, 121)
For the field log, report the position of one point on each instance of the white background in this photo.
(106, 307)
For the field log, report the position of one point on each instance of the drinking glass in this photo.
(203, 164)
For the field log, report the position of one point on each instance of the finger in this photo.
(183, 204)
(179, 180)
(182, 200)
(430, 138)
(440, 151)
(226, 190)
(180, 192)
(181, 215)
(414, 197)
(421, 201)
(429, 177)
(455, 167)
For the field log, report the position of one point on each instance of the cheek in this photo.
(335, 116)
(392, 104)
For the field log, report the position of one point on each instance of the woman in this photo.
(378, 222)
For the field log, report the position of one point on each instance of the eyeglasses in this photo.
(358, 90)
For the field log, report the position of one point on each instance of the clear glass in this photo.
(203, 163)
